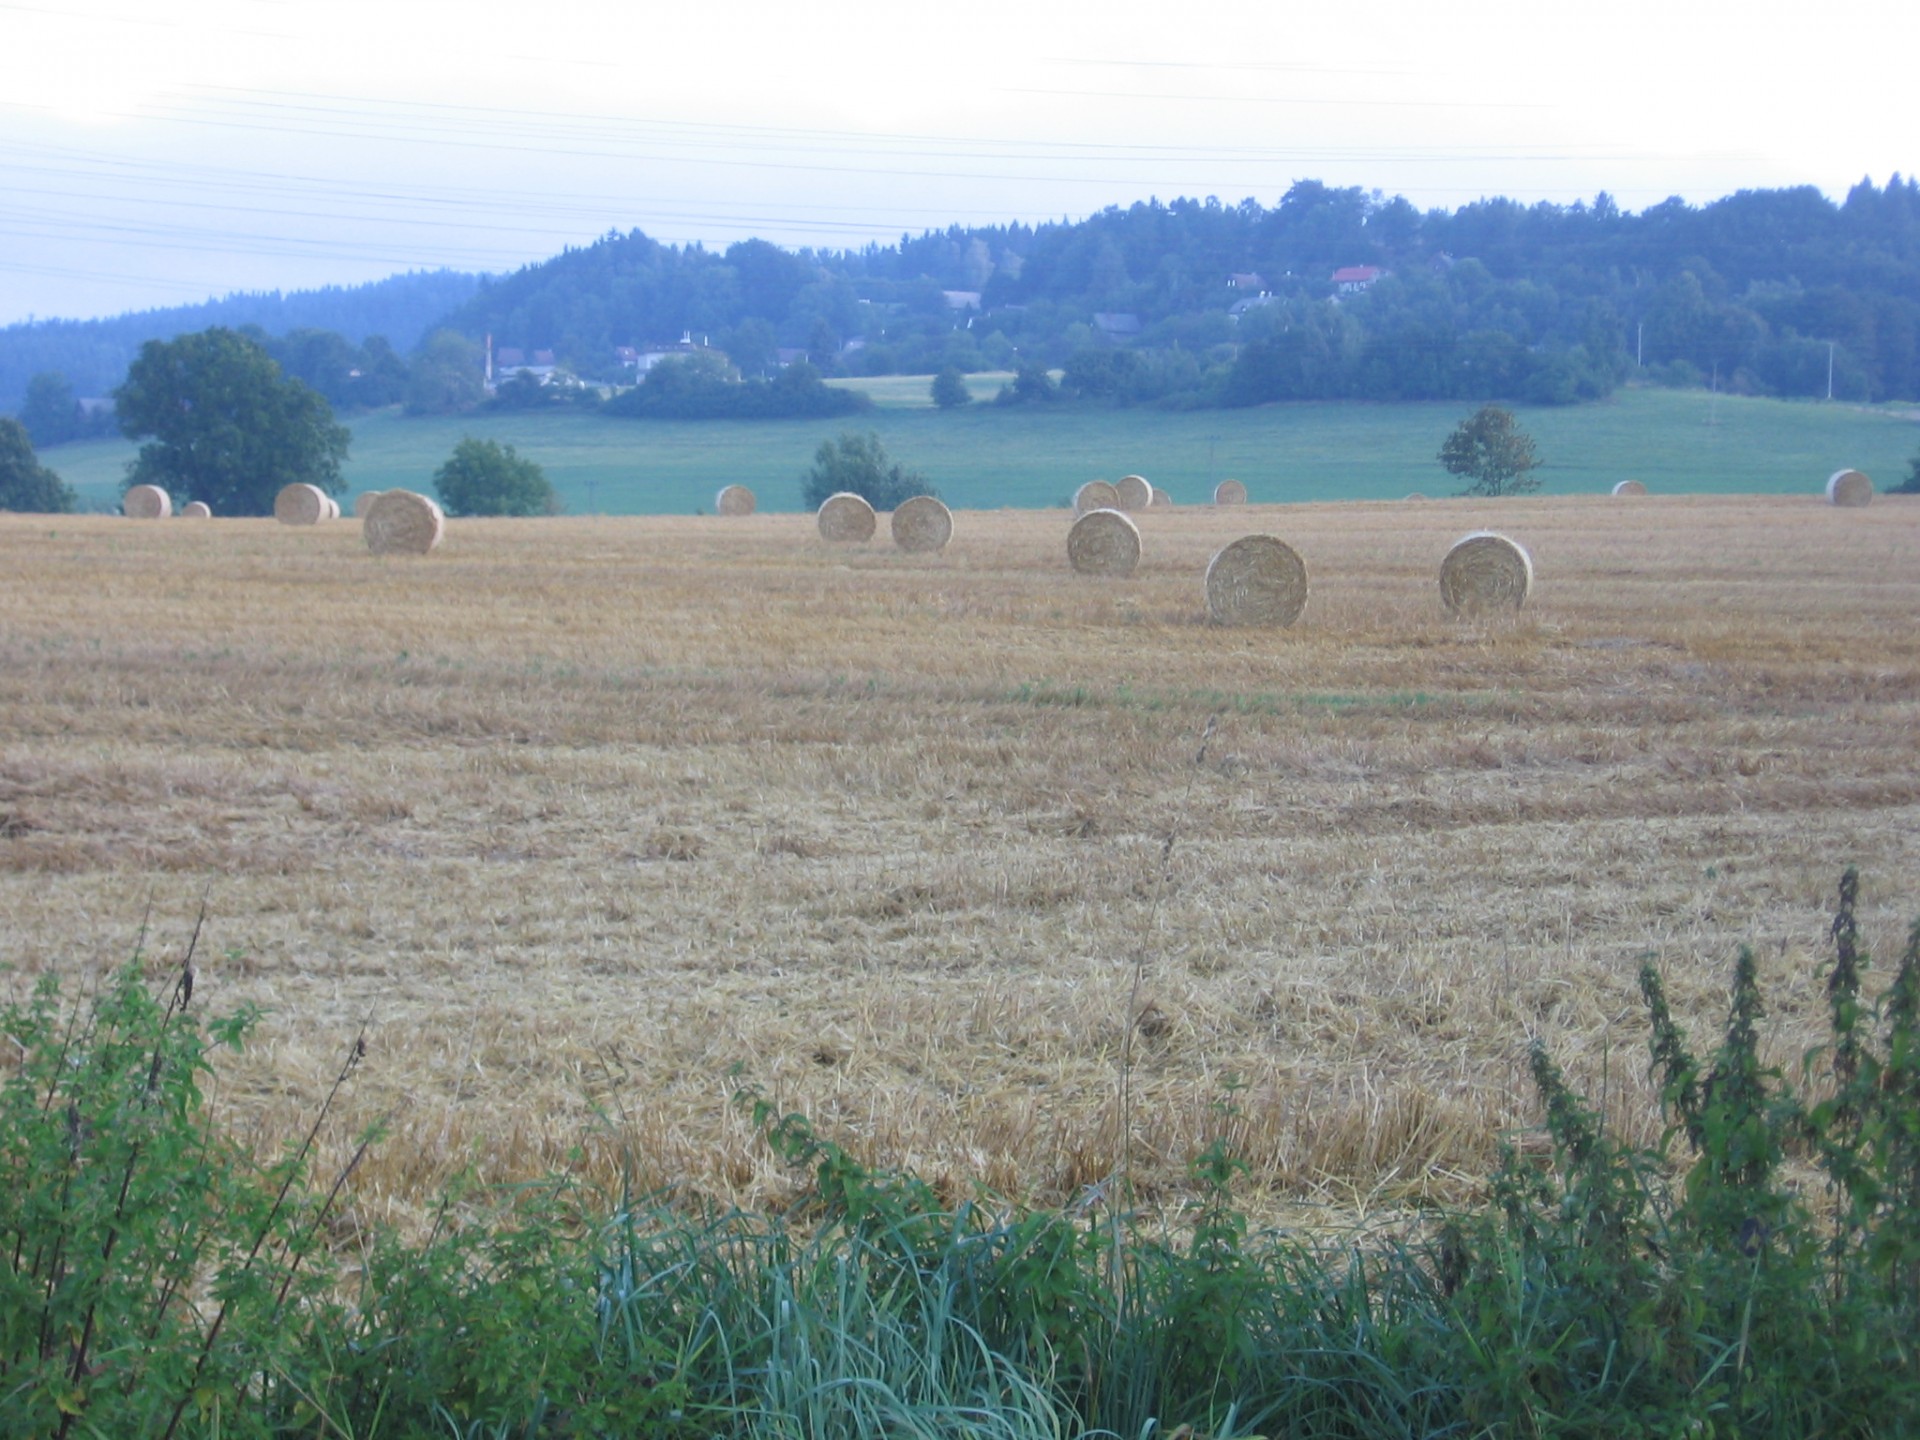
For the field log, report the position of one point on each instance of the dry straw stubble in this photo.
(1629, 487)
(1095, 495)
(1484, 572)
(147, 502)
(1133, 492)
(1849, 488)
(922, 525)
(846, 519)
(1229, 492)
(1257, 580)
(1103, 542)
(299, 504)
(400, 522)
(734, 500)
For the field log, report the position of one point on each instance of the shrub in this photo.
(860, 464)
(484, 477)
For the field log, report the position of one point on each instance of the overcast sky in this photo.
(152, 155)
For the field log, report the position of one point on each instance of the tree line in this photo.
(1192, 302)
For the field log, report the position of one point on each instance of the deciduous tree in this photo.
(226, 426)
(1490, 449)
(484, 477)
(860, 463)
(950, 388)
(26, 484)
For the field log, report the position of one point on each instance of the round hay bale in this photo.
(300, 505)
(1133, 492)
(333, 508)
(196, 510)
(1629, 487)
(146, 502)
(1848, 487)
(1161, 500)
(846, 519)
(1257, 580)
(1095, 495)
(922, 524)
(1416, 495)
(734, 500)
(1229, 492)
(363, 501)
(1103, 542)
(1484, 571)
(399, 522)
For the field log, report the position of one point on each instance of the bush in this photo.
(484, 477)
(950, 388)
(860, 464)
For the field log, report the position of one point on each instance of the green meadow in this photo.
(984, 456)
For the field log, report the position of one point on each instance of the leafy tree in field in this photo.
(1031, 384)
(50, 413)
(449, 375)
(950, 388)
(860, 463)
(484, 477)
(1490, 449)
(26, 484)
(227, 426)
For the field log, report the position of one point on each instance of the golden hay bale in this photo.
(846, 518)
(1257, 580)
(1416, 495)
(333, 508)
(1229, 492)
(147, 502)
(363, 500)
(734, 500)
(1629, 487)
(1133, 492)
(1161, 499)
(399, 522)
(922, 524)
(1095, 495)
(1484, 571)
(196, 510)
(1848, 487)
(1103, 542)
(300, 505)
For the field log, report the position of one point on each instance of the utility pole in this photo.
(1829, 369)
(1640, 344)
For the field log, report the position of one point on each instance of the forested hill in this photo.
(1328, 293)
(93, 354)
(1541, 301)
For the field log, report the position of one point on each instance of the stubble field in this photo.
(594, 822)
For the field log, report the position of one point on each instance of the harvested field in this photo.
(587, 813)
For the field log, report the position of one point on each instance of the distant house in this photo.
(962, 299)
(627, 356)
(1249, 281)
(652, 353)
(1116, 325)
(509, 358)
(785, 355)
(1252, 302)
(1355, 279)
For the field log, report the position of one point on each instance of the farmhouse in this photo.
(1356, 279)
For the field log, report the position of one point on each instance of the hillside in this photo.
(94, 354)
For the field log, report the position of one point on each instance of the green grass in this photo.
(984, 457)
